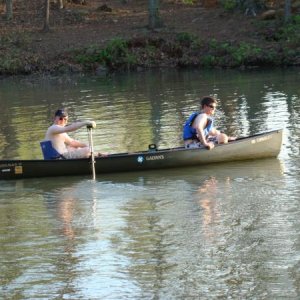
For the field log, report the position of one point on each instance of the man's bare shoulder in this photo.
(201, 118)
(54, 128)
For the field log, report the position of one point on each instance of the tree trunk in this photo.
(154, 18)
(61, 4)
(287, 10)
(47, 14)
(9, 9)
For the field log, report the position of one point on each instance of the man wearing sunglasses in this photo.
(199, 130)
(57, 133)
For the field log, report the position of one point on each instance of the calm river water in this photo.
(224, 231)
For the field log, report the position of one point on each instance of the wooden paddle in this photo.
(90, 131)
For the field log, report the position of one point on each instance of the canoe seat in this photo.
(49, 152)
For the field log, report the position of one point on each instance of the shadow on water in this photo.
(244, 170)
(235, 170)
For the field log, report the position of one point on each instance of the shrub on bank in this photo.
(16, 56)
(185, 52)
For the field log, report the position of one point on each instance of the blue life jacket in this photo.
(190, 133)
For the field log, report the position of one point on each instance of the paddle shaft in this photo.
(90, 130)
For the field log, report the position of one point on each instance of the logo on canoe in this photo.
(261, 139)
(140, 159)
(155, 157)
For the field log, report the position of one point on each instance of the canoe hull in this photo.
(258, 146)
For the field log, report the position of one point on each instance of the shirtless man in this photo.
(199, 130)
(62, 142)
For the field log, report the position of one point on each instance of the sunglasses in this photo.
(212, 106)
(64, 118)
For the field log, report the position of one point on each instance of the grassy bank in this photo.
(280, 47)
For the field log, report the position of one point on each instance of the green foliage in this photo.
(116, 55)
(296, 19)
(116, 52)
(148, 56)
(150, 49)
(213, 44)
(90, 55)
(186, 50)
(16, 56)
(247, 7)
(286, 33)
(288, 54)
(10, 63)
(15, 40)
(229, 5)
(186, 38)
(225, 54)
(189, 2)
(290, 32)
(17, 62)
(191, 41)
(244, 53)
(209, 60)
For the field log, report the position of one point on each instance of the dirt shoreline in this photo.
(82, 27)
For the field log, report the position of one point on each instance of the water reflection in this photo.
(173, 233)
(210, 211)
(170, 239)
(66, 214)
(219, 231)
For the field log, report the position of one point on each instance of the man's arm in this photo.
(201, 122)
(72, 127)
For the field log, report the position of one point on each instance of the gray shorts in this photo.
(196, 144)
(77, 153)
